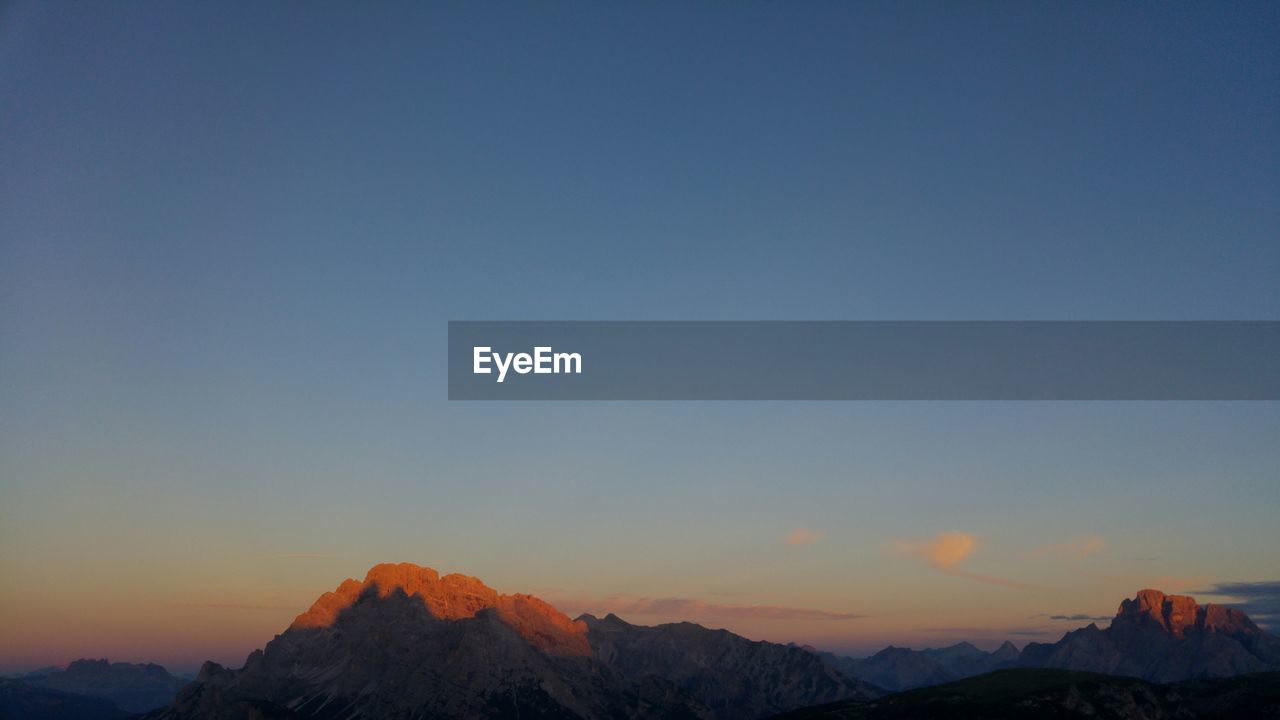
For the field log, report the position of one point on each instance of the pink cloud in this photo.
(947, 550)
(943, 551)
(801, 536)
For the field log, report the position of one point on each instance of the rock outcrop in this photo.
(1163, 638)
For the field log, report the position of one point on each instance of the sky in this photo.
(231, 237)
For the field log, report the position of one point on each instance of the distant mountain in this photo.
(20, 700)
(1047, 694)
(136, 688)
(32, 673)
(1163, 638)
(896, 668)
(1154, 636)
(732, 676)
(407, 643)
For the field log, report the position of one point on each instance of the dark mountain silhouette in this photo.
(1154, 636)
(896, 668)
(1050, 694)
(732, 676)
(1163, 638)
(407, 643)
(20, 700)
(39, 671)
(136, 688)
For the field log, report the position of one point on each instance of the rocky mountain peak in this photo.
(451, 597)
(1173, 613)
(1007, 651)
(1178, 614)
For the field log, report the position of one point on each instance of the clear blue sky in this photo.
(231, 236)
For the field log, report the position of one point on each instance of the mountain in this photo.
(732, 676)
(1154, 636)
(408, 643)
(896, 668)
(1163, 638)
(136, 688)
(32, 673)
(1066, 695)
(20, 700)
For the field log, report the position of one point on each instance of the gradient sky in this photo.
(231, 236)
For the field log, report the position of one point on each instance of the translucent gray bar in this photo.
(912, 360)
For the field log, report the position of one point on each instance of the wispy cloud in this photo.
(1080, 617)
(801, 536)
(296, 556)
(947, 550)
(1079, 548)
(988, 632)
(944, 551)
(693, 609)
(237, 606)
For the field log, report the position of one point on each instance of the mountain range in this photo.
(1049, 694)
(133, 688)
(896, 668)
(406, 642)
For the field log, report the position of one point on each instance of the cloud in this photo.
(1260, 600)
(688, 608)
(944, 551)
(987, 631)
(947, 550)
(295, 556)
(1269, 588)
(801, 536)
(1079, 617)
(237, 606)
(1080, 548)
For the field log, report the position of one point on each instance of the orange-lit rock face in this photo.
(1179, 613)
(453, 597)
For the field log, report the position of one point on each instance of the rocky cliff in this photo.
(1163, 638)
